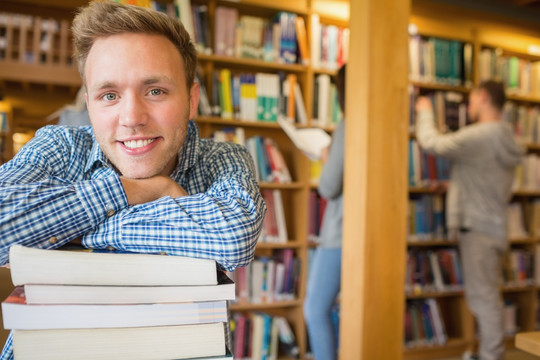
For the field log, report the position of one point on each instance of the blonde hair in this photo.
(104, 18)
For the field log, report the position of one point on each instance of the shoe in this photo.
(468, 355)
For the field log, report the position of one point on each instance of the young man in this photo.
(483, 157)
(140, 179)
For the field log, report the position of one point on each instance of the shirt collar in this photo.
(187, 155)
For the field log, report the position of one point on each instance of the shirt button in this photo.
(110, 248)
(53, 240)
(110, 213)
(163, 253)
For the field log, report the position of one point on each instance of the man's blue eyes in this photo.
(153, 92)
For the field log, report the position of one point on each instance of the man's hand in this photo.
(140, 191)
(423, 103)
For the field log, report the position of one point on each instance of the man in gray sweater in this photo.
(483, 156)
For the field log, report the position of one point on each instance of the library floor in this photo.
(510, 355)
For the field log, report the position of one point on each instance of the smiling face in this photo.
(138, 102)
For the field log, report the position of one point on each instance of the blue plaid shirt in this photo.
(60, 186)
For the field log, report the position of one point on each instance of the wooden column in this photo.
(375, 185)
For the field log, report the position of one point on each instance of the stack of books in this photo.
(93, 305)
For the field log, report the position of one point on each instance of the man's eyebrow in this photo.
(102, 85)
(148, 81)
(157, 79)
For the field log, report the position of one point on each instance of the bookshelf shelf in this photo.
(503, 39)
(517, 288)
(431, 243)
(527, 193)
(243, 63)
(453, 347)
(265, 306)
(517, 241)
(434, 294)
(437, 86)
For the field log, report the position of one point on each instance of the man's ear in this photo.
(193, 100)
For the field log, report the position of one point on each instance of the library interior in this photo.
(267, 72)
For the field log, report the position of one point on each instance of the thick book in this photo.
(17, 314)
(69, 267)
(97, 294)
(154, 342)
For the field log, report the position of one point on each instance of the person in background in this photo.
(483, 156)
(140, 178)
(325, 271)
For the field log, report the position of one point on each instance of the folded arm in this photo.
(39, 208)
(222, 223)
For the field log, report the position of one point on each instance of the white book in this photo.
(155, 342)
(436, 269)
(19, 315)
(71, 267)
(80, 294)
(184, 10)
(280, 216)
(311, 141)
(440, 331)
(324, 98)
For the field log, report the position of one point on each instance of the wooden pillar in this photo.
(374, 247)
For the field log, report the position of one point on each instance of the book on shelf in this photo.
(224, 30)
(71, 267)
(516, 221)
(433, 271)
(268, 279)
(18, 314)
(201, 341)
(269, 162)
(97, 294)
(275, 227)
(424, 324)
(311, 141)
(258, 335)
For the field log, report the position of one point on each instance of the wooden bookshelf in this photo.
(482, 30)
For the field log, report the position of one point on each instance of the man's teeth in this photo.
(135, 144)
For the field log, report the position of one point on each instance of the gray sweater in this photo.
(331, 188)
(483, 158)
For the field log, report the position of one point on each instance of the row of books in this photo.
(326, 110)
(44, 30)
(329, 44)
(520, 76)
(426, 218)
(269, 162)
(517, 228)
(527, 177)
(438, 60)
(524, 121)
(433, 271)
(261, 336)
(266, 96)
(426, 170)
(518, 268)
(424, 324)
(449, 107)
(89, 305)
(268, 279)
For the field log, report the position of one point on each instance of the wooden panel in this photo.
(374, 244)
